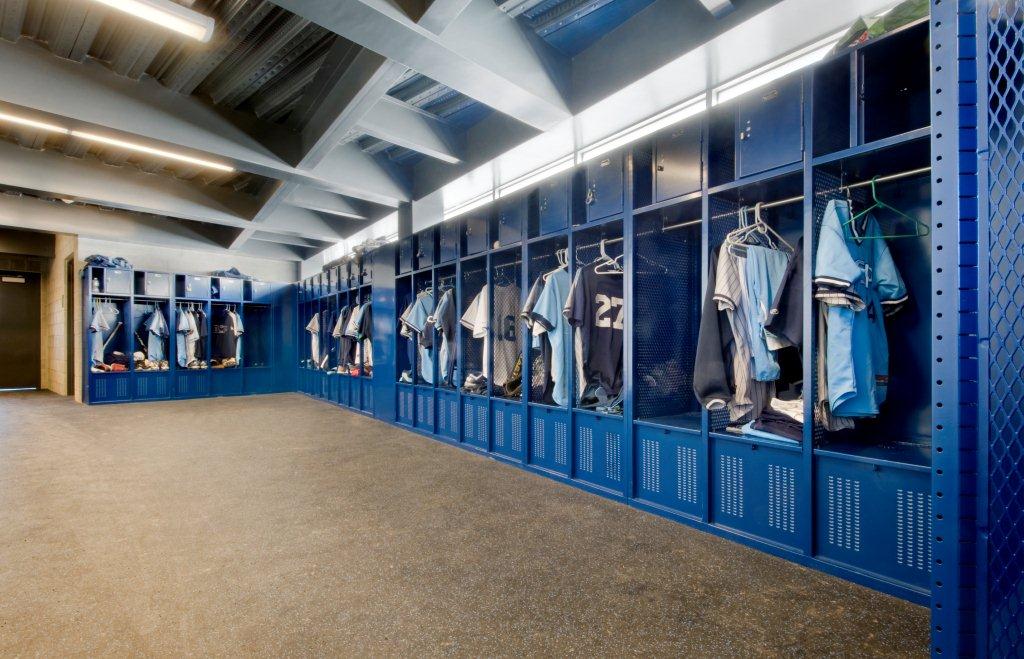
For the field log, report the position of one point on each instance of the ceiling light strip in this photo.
(167, 14)
(32, 123)
(131, 146)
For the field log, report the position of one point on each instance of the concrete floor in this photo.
(280, 525)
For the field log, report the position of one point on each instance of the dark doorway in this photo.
(69, 324)
(19, 330)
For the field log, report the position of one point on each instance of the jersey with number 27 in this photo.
(595, 306)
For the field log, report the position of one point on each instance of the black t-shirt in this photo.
(595, 306)
(225, 341)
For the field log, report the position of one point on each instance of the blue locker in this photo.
(406, 250)
(261, 291)
(344, 390)
(770, 125)
(553, 203)
(508, 426)
(406, 404)
(604, 187)
(191, 384)
(549, 439)
(226, 382)
(755, 490)
(667, 472)
(426, 248)
(366, 395)
(512, 215)
(875, 517)
(425, 409)
(366, 268)
(259, 380)
(152, 386)
(110, 387)
(677, 162)
(230, 289)
(448, 414)
(599, 450)
(475, 421)
(153, 284)
(117, 281)
(474, 233)
(193, 287)
(448, 241)
(333, 387)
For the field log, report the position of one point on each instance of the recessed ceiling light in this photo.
(92, 137)
(167, 14)
(32, 123)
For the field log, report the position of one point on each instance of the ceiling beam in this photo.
(127, 188)
(482, 53)
(88, 93)
(304, 196)
(404, 125)
(24, 212)
(718, 8)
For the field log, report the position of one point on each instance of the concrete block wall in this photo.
(54, 302)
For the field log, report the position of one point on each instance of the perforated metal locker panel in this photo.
(508, 429)
(599, 450)
(406, 405)
(109, 387)
(667, 473)
(755, 489)
(425, 409)
(448, 414)
(195, 384)
(228, 382)
(366, 395)
(874, 518)
(259, 380)
(475, 421)
(152, 386)
(549, 439)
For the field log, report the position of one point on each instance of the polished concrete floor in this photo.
(280, 525)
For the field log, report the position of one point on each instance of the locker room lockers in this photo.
(877, 503)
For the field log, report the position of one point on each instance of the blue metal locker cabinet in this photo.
(426, 248)
(474, 232)
(448, 241)
(512, 214)
(677, 161)
(604, 191)
(193, 287)
(770, 127)
(553, 204)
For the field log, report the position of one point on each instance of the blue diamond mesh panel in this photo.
(1006, 318)
(666, 318)
(474, 277)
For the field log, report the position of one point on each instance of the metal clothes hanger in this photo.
(607, 262)
(921, 231)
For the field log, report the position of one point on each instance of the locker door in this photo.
(604, 187)
(770, 124)
(511, 218)
(677, 162)
(553, 204)
(449, 241)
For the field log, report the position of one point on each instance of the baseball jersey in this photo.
(477, 320)
(97, 328)
(313, 327)
(157, 331)
(856, 278)
(416, 319)
(505, 329)
(549, 319)
(595, 308)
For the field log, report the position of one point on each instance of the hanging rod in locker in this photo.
(792, 200)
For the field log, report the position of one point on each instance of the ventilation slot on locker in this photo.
(782, 498)
(467, 422)
(517, 432)
(481, 423)
(586, 449)
(499, 429)
(561, 443)
(913, 529)
(537, 443)
(730, 470)
(650, 465)
(613, 456)
(686, 474)
(844, 513)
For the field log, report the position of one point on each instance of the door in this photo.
(19, 330)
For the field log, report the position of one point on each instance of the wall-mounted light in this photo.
(168, 15)
(131, 146)
(32, 123)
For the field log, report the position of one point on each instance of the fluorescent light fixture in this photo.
(464, 208)
(537, 176)
(31, 123)
(804, 57)
(92, 137)
(671, 116)
(167, 14)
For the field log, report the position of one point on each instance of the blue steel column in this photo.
(947, 206)
(628, 461)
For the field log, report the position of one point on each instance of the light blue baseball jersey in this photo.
(856, 277)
